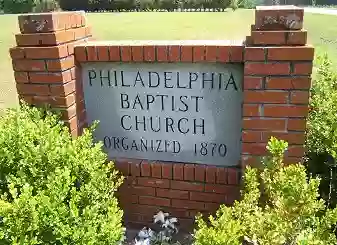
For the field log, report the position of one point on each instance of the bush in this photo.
(54, 189)
(287, 212)
(322, 128)
(18, 6)
(46, 6)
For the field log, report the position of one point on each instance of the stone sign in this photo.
(170, 112)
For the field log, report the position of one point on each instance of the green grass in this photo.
(322, 33)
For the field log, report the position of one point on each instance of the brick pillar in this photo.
(278, 65)
(44, 64)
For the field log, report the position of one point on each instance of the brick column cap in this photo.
(51, 22)
(278, 7)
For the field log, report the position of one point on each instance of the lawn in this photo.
(322, 31)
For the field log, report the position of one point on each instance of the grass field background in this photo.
(322, 33)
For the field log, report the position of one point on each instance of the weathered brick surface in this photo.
(182, 198)
(44, 62)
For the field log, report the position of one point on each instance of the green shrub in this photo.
(322, 128)
(287, 212)
(54, 189)
(18, 6)
(46, 6)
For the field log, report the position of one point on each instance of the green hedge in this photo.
(54, 189)
(141, 5)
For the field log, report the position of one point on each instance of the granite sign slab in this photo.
(169, 112)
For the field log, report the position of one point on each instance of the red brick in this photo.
(44, 38)
(186, 186)
(125, 53)
(299, 97)
(209, 197)
(80, 53)
(233, 177)
(162, 53)
(292, 160)
(176, 194)
(160, 183)
(64, 89)
(290, 137)
(138, 218)
(156, 170)
(186, 53)
(280, 15)
(68, 112)
(254, 54)
(256, 68)
(127, 199)
(198, 53)
(288, 83)
(29, 65)
(223, 54)
(32, 89)
(212, 207)
(178, 212)
(135, 169)
(143, 190)
(187, 204)
(178, 171)
(46, 52)
(149, 53)
(279, 97)
(154, 201)
(88, 31)
(296, 151)
(50, 77)
(143, 209)
(291, 53)
(221, 175)
(234, 196)
(72, 124)
(264, 124)
(92, 53)
(27, 98)
(269, 37)
(124, 167)
(285, 111)
(114, 53)
(61, 65)
(297, 124)
(17, 53)
(211, 53)
(145, 169)
(73, 73)
(210, 174)
(251, 110)
(236, 53)
(302, 68)
(21, 77)
(254, 149)
(55, 101)
(220, 189)
(189, 172)
(103, 53)
(251, 136)
(200, 172)
(297, 38)
(137, 54)
(252, 82)
(80, 33)
(174, 53)
(27, 23)
(166, 170)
